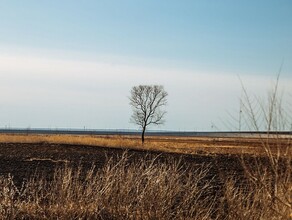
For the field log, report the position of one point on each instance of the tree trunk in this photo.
(143, 133)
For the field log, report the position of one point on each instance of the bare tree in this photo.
(146, 101)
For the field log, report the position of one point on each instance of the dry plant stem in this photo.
(274, 178)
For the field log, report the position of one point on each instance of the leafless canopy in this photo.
(146, 101)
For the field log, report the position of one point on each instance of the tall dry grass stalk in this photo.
(269, 178)
(120, 190)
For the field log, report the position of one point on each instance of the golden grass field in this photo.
(171, 144)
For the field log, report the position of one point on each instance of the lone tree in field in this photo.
(146, 102)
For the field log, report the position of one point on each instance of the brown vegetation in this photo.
(187, 145)
(110, 183)
(143, 190)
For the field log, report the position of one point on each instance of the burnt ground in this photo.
(22, 160)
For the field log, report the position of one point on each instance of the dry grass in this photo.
(255, 202)
(186, 145)
(120, 190)
(145, 189)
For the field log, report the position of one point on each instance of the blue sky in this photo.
(72, 64)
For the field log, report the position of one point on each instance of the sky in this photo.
(72, 64)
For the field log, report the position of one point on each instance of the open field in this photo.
(115, 177)
(171, 144)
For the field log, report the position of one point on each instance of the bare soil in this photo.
(22, 160)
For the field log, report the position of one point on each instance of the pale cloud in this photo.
(57, 90)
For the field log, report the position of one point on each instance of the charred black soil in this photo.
(25, 160)
(22, 160)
